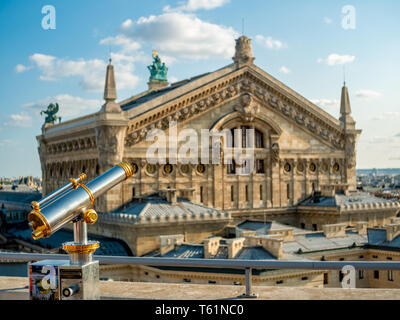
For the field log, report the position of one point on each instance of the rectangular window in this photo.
(231, 167)
(326, 281)
(288, 190)
(245, 137)
(133, 192)
(232, 194)
(360, 274)
(201, 194)
(259, 139)
(261, 192)
(376, 274)
(260, 166)
(247, 193)
(279, 282)
(390, 275)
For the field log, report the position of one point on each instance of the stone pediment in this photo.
(253, 90)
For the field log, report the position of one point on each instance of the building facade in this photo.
(298, 147)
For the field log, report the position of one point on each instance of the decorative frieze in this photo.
(252, 96)
(88, 143)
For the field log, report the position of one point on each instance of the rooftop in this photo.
(345, 201)
(155, 206)
(16, 288)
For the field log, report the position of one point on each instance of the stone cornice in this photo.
(232, 86)
(126, 218)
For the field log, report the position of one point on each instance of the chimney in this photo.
(361, 227)
(334, 230)
(211, 247)
(392, 231)
(234, 246)
(167, 243)
(274, 246)
(170, 194)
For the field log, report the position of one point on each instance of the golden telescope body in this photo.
(73, 200)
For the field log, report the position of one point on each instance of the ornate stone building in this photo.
(298, 147)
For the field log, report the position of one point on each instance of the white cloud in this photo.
(19, 68)
(336, 59)
(128, 45)
(70, 106)
(182, 35)
(387, 116)
(270, 43)
(194, 5)
(367, 94)
(284, 70)
(328, 20)
(92, 72)
(22, 119)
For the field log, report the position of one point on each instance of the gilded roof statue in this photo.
(158, 70)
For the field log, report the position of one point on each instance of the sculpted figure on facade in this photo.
(350, 149)
(110, 145)
(248, 107)
(275, 150)
(244, 53)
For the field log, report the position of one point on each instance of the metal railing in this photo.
(246, 265)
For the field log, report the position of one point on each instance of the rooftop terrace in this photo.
(16, 288)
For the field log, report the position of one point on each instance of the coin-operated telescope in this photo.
(77, 278)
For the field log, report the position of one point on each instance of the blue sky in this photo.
(302, 43)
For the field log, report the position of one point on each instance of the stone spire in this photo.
(110, 91)
(345, 109)
(243, 51)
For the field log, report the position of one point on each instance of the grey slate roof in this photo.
(23, 197)
(197, 251)
(262, 228)
(157, 206)
(341, 199)
(154, 94)
(108, 246)
(318, 242)
(377, 237)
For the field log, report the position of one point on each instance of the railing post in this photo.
(248, 293)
